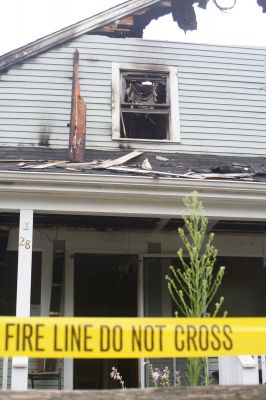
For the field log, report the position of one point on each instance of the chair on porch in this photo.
(47, 369)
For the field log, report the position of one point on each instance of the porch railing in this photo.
(4, 373)
(242, 370)
(258, 364)
(263, 369)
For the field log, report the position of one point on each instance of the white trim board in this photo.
(129, 196)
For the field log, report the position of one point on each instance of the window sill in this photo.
(146, 140)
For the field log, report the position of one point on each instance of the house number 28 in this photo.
(24, 243)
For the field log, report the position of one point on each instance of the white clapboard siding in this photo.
(222, 95)
(1, 373)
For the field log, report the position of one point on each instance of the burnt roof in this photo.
(171, 165)
(124, 20)
(109, 22)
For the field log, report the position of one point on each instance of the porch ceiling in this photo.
(107, 223)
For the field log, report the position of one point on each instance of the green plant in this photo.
(194, 284)
(158, 378)
(161, 378)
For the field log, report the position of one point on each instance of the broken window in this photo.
(145, 103)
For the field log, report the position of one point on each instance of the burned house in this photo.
(102, 135)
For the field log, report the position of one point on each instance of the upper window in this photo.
(145, 102)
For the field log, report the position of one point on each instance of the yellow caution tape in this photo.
(131, 337)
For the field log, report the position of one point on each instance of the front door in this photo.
(105, 286)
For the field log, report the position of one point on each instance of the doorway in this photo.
(105, 286)
(8, 283)
(243, 286)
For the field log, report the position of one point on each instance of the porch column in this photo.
(19, 378)
(69, 312)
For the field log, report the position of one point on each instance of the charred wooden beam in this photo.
(133, 25)
(262, 3)
(184, 14)
(76, 150)
(141, 21)
(126, 21)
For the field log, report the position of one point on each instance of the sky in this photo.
(23, 21)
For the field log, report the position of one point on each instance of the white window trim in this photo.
(174, 120)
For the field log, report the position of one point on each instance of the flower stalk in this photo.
(194, 283)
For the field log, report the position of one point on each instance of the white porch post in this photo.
(19, 378)
(141, 314)
(69, 312)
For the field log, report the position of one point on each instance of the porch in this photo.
(115, 266)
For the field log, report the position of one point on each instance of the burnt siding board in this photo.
(32, 153)
(221, 95)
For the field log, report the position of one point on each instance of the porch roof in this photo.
(153, 194)
(172, 165)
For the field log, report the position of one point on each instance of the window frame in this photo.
(173, 134)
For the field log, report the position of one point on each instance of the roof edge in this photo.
(72, 31)
(137, 196)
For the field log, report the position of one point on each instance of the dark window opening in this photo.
(144, 126)
(145, 105)
(8, 282)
